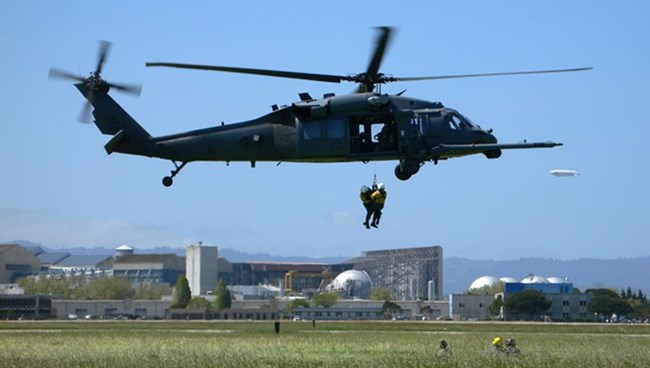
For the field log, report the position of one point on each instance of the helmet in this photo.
(510, 342)
(364, 189)
(443, 344)
(497, 341)
(381, 186)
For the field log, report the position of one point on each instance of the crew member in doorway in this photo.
(378, 201)
(366, 199)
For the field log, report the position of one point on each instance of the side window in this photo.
(430, 123)
(311, 130)
(336, 128)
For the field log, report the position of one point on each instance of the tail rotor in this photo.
(94, 82)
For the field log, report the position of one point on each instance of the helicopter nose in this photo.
(488, 137)
(492, 138)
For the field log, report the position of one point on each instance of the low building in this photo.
(338, 313)
(110, 309)
(249, 314)
(373, 310)
(25, 306)
(565, 304)
(470, 307)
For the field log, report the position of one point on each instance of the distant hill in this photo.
(458, 273)
(231, 255)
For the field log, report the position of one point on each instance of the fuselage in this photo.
(356, 127)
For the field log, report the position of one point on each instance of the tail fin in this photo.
(111, 119)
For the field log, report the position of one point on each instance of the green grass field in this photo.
(330, 344)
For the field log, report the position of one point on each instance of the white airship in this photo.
(559, 172)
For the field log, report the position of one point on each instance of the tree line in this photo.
(82, 288)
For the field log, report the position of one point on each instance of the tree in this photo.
(224, 300)
(325, 299)
(495, 307)
(60, 286)
(182, 293)
(77, 287)
(199, 302)
(426, 310)
(390, 308)
(378, 293)
(295, 304)
(528, 302)
(607, 302)
(642, 296)
(110, 288)
(152, 292)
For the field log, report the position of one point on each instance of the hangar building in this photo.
(407, 272)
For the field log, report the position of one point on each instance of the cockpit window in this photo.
(457, 121)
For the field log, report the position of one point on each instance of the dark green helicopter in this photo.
(363, 126)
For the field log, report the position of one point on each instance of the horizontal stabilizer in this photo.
(114, 142)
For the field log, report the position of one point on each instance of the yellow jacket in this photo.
(379, 196)
(366, 197)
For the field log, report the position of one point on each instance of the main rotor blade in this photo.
(266, 72)
(380, 49)
(408, 79)
(134, 89)
(62, 74)
(84, 115)
(104, 48)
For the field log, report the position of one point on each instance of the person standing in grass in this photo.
(511, 347)
(444, 352)
(497, 345)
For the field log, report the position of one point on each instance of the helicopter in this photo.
(362, 126)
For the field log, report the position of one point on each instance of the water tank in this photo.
(484, 281)
(534, 279)
(123, 250)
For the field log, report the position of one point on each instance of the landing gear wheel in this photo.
(410, 165)
(168, 181)
(401, 175)
(407, 168)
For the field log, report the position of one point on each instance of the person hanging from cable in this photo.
(366, 199)
(378, 200)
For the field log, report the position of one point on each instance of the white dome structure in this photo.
(557, 280)
(484, 281)
(507, 279)
(534, 279)
(351, 284)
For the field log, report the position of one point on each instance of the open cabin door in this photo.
(372, 134)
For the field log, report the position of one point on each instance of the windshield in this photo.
(457, 121)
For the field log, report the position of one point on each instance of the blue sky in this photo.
(59, 187)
